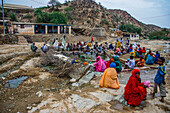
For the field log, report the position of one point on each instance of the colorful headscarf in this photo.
(134, 73)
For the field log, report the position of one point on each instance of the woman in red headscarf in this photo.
(135, 91)
(140, 51)
(109, 62)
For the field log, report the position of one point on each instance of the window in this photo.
(22, 26)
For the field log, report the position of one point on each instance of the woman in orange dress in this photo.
(109, 78)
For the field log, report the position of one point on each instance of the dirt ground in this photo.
(44, 92)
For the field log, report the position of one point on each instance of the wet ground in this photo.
(27, 87)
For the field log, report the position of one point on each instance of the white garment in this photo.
(45, 48)
(131, 63)
(64, 42)
(134, 46)
(55, 43)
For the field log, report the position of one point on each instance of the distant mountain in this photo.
(84, 15)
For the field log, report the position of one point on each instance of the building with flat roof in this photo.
(39, 28)
(17, 8)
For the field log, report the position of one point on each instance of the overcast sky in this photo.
(155, 12)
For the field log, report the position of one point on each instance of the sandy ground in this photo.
(43, 92)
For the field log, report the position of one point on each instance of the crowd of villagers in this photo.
(135, 90)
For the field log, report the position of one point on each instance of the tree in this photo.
(43, 18)
(38, 11)
(54, 3)
(166, 31)
(12, 17)
(55, 17)
(58, 18)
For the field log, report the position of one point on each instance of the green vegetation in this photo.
(55, 3)
(131, 28)
(27, 16)
(38, 11)
(159, 35)
(58, 18)
(55, 17)
(12, 17)
(69, 9)
(68, 16)
(105, 21)
(44, 7)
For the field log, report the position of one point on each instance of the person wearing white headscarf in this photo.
(64, 42)
(55, 43)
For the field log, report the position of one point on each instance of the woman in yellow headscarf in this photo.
(109, 78)
(118, 44)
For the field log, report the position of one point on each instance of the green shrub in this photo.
(68, 16)
(12, 17)
(58, 18)
(55, 17)
(158, 35)
(28, 16)
(131, 28)
(105, 21)
(69, 9)
(38, 11)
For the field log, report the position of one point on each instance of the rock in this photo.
(39, 94)
(73, 80)
(75, 84)
(30, 64)
(79, 72)
(85, 79)
(82, 104)
(45, 111)
(11, 98)
(103, 97)
(29, 107)
(62, 57)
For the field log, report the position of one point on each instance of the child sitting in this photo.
(130, 63)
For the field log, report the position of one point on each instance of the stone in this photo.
(59, 107)
(29, 107)
(82, 104)
(103, 97)
(76, 74)
(39, 94)
(45, 111)
(73, 80)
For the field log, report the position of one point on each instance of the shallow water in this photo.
(15, 82)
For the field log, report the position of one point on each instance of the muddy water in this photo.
(15, 82)
(146, 75)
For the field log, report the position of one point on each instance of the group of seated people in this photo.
(135, 91)
(44, 48)
(149, 59)
(101, 65)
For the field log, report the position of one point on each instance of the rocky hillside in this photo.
(84, 15)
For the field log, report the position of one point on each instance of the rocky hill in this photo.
(84, 15)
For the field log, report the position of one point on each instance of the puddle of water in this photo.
(15, 82)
